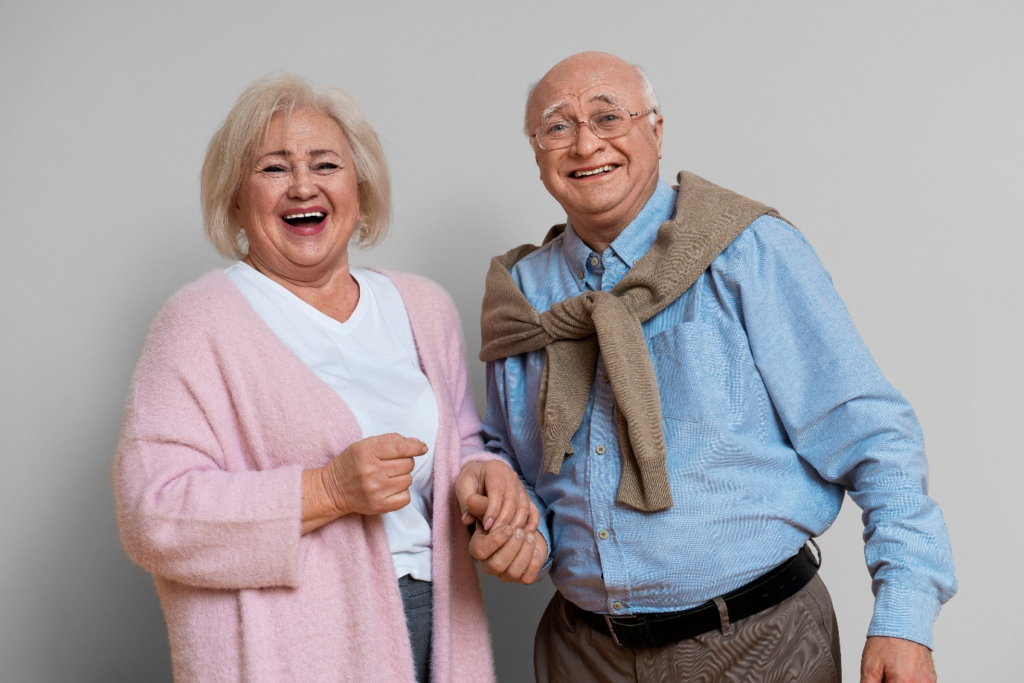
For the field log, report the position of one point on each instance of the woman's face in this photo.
(299, 202)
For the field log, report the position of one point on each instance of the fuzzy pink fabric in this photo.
(220, 423)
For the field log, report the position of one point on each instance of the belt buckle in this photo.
(611, 629)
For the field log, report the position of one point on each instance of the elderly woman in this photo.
(296, 426)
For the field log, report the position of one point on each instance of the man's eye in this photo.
(557, 128)
(609, 117)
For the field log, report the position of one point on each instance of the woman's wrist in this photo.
(318, 506)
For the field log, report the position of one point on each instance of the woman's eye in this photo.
(274, 168)
(326, 166)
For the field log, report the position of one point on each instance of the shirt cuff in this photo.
(904, 613)
(545, 533)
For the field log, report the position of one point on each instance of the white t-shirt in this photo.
(370, 361)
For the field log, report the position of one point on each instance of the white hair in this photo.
(647, 88)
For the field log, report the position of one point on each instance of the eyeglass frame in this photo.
(576, 127)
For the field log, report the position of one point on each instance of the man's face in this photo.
(601, 183)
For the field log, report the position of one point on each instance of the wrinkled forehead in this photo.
(584, 104)
(581, 96)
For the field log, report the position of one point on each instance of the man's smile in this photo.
(595, 171)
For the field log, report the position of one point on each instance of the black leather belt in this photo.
(658, 629)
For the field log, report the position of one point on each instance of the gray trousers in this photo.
(418, 603)
(796, 641)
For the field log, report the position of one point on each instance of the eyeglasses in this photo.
(559, 133)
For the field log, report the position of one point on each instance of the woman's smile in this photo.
(305, 221)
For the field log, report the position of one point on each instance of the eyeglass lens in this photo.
(560, 132)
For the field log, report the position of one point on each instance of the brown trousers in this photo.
(796, 641)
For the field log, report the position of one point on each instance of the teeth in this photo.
(311, 214)
(583, 174)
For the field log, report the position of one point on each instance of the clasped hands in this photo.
(373, 475)
(505, 538)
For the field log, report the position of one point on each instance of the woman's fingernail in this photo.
(488, 523)
(519, 533)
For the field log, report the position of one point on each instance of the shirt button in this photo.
(582, 274)
(600, 450)
(602, 534)
(604, 377)
(594, 261)
(616, 605)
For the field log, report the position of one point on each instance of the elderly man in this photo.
(681, 390)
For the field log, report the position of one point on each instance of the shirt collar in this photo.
(632, 243)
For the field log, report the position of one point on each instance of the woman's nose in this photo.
(302, 185)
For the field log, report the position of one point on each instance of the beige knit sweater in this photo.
(707, 219)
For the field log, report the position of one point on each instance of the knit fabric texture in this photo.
(707, 219)
(221, 421)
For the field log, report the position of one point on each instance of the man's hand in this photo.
(895, 660)
(491, 493)
(513, 555)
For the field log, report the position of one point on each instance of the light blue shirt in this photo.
(772, 409)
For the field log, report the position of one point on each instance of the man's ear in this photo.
(658, 130)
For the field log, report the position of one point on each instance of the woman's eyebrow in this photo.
(278, 153)
(286, 153)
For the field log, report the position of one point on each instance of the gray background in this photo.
(888, 132)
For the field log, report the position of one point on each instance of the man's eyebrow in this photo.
(604, 97)
(552, 109)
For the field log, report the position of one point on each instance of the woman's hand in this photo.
(370, 477)
(491, 492)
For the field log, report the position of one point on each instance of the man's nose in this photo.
(302, 185)
(586, 142)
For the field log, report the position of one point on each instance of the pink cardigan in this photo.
(220, 423)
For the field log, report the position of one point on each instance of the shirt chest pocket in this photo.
(678, 356)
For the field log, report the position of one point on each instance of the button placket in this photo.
(603, 468)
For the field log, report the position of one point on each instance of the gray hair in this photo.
(233, 146)
(646, 91)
